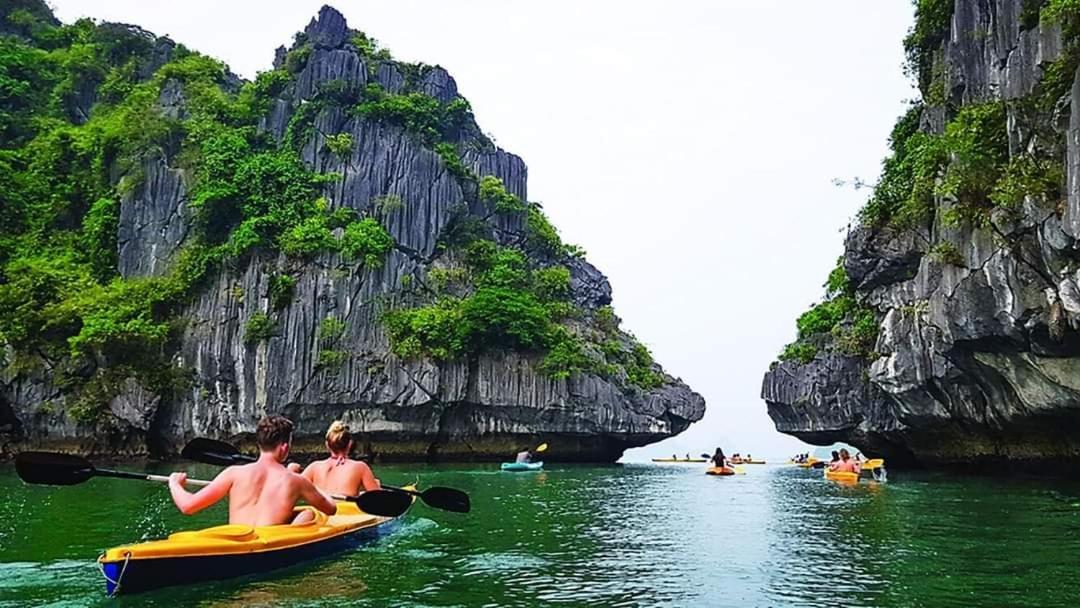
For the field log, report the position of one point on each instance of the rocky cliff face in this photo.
(974, 301)
(482, 405)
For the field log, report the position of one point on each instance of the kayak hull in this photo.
(149, 574)
(842, 476)
(232, 551)
(697, 460)
(522, 466)
(719, 471)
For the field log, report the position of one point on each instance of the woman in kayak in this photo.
(340, 474)
(718, 458)
(262, 493)
(835, 458)
(845, 463)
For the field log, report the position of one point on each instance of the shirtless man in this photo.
(338, 474)
(845, 464)
(262, 493)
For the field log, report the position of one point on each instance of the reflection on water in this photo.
(634, 535)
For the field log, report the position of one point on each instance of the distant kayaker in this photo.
(340, 474)
(718, 458)
(262, 493)
(525, 456)
(845, 463)
(835, 458)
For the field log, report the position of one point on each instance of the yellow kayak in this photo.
(748, 461)
(236, 550)
(719, 471)
(873, 463)
(841, 476)
(679, 460)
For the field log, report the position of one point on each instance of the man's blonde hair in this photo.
(338, 436)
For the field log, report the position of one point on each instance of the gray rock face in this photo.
(153, 220)
(485, 407)
(977, 357)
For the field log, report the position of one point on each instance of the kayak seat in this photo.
(235, 532)
(319, 520)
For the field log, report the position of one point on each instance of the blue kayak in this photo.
(522, 466)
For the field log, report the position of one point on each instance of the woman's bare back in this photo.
(337, 476)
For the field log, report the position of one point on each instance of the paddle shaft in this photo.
(144, 477)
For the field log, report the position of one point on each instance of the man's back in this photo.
(847, 466)
(337, 476)
(262, 494)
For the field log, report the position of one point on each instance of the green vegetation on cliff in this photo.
(962, 172)
(493, 299)
(838, 323)
(77, 127)
(88, 111)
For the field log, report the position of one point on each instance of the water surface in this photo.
(631, 535)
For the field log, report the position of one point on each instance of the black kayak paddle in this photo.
(388, 502)
(55, 469)
(51, 468)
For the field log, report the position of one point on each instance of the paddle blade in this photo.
(212, 451)
(53, 469)
(542, 447)
(447, 499)
(384, 502)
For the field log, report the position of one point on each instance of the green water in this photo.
(633, 535)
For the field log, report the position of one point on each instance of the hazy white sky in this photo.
(689, 147)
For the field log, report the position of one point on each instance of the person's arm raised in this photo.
(190, 503)
(314, 497)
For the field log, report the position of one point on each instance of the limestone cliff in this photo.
(964, 265)
(297, 322)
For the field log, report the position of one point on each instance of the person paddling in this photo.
(846, 464)
(339, 474)
(525, 456)
(718, 459)
(262, 493)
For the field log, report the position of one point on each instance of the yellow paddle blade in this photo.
(740, 470)
(873, 463)
(543, 446)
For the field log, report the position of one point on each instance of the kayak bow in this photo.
(230, 551)
(719, 471)
(522, 466)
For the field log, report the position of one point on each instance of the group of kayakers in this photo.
(719, 460)
(266, 492)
